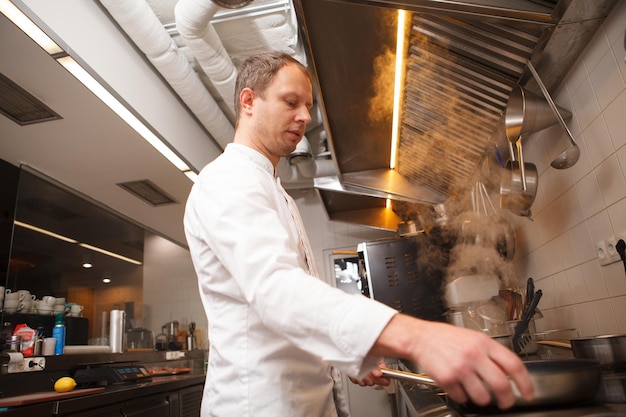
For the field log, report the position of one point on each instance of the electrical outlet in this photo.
(172, 355)
(34, 364)
(27, 365)
(613, 256)
(14, 368)
(606, 251)
(602, 252)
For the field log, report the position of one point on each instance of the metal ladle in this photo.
(571, 154)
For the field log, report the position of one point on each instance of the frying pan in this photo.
(556, 382)
(609, 350)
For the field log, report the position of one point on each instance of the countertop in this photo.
(15, 386)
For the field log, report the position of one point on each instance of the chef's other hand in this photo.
(373, 378)
(467, 364)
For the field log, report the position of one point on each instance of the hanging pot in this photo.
(518, 187)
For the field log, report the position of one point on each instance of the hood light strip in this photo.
(397, 90)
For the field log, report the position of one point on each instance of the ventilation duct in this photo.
(140, 23)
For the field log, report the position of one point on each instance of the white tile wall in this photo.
(581, 205)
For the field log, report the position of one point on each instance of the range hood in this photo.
(463, 60)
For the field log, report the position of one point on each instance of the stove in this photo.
(575, 410)
(416, 400)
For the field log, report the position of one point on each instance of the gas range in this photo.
(426, 401)
(579, 410)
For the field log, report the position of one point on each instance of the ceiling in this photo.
(177, 77)
(90, 149)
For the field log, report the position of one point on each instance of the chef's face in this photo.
(282, 112)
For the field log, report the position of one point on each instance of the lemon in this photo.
(64, 384)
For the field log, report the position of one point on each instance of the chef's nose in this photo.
(304, 115)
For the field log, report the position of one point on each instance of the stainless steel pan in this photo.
(556, 382)
(609, 350)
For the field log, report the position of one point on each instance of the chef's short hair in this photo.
(257, 72)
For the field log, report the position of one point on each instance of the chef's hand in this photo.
(465, 363)
(373, 378)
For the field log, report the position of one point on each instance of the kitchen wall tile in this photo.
(558, 222)
(575, 77)
(615, 279)
(595, 49)
(562, 295)
(600, 226)
(621, 157)
(590, 191)
(566, 250)
(603, 315)
(585, 104)
(618, 305)
(548, 287)
(615, 24)
(577, 286)
(552, 319)
(572, 208)
(620, 56)
(585, 249)
(594, 281)
(552, 186)
(585, 319)
(548, 257)
(617, 217)
(605, 80)
(615, 119)
(597, 138)
(611, 180)
(570, 321)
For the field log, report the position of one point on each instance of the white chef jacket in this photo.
(274, 330)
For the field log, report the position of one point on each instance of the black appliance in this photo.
(405, 273)
(106, 373)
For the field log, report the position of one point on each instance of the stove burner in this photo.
(577, 410)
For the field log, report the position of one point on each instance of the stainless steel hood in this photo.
(463, 59)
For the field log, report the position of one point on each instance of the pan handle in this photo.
(408, 376)
(555, 343)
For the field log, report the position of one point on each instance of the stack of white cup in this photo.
(46, 305)
(12, 302)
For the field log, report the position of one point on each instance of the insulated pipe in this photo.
(144, 28)
(193, 22)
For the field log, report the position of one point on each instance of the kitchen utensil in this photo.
(530, 290)
(520, 339)
(556, 382)
(620, 247)
(518, 186)
(527, 113)
(191, 336)
(570, 155)
(609, 350)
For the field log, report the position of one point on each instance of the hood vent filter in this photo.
(22, 107)
(148, 192)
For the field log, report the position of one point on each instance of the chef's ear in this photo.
(246, 98)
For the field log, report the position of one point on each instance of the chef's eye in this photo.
(291, 103)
